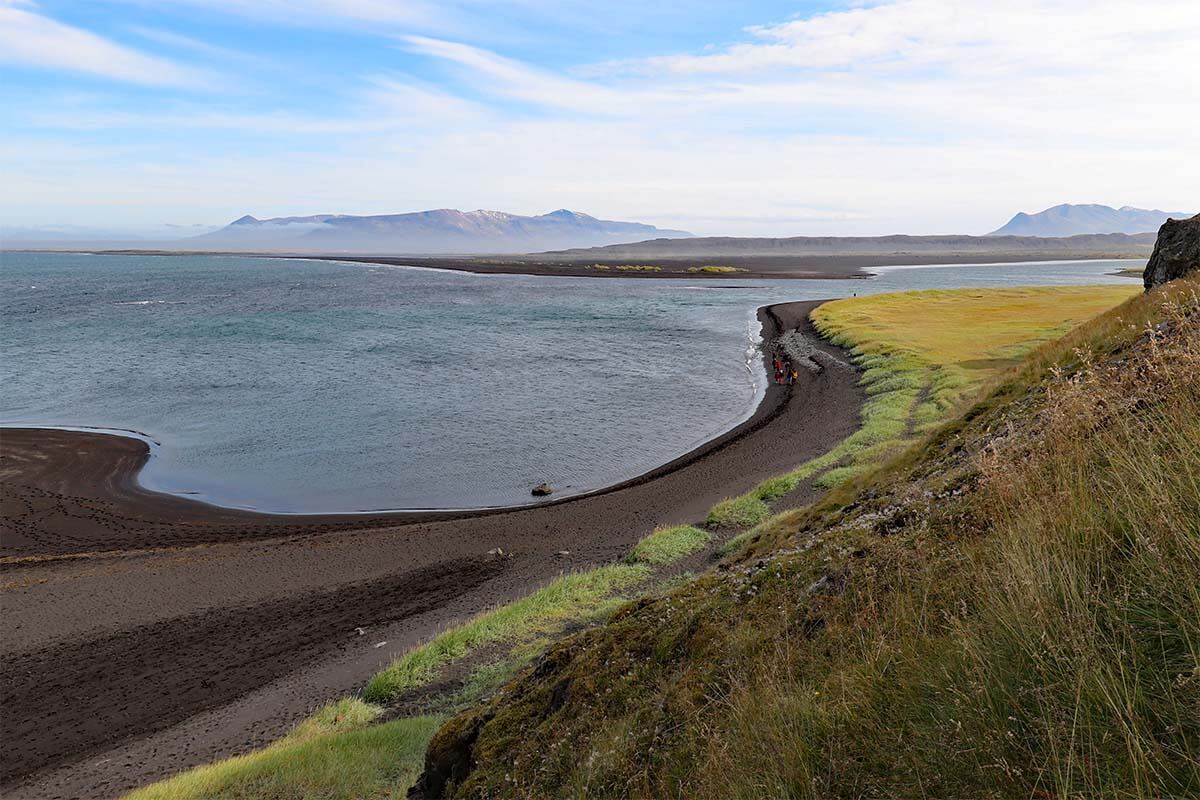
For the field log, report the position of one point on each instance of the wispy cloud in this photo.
(28, 38)
(971, 37)
(493, 74)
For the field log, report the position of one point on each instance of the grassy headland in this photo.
(922, 354)
(1007, 609)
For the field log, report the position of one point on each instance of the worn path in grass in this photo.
(144, 634)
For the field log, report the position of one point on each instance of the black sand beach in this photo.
(145, 633)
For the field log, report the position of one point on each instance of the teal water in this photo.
(302, 386)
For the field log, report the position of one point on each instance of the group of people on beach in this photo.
(785, 375)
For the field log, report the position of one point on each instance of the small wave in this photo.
(150, 302)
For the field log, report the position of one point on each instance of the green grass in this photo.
(342, 761)
(341, 716)
(742, 511)
(668, 545)
(578, 596)
(1009, 610)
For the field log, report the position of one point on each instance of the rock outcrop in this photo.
(1176, 253)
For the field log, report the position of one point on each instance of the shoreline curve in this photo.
(138, 642)
(111, 460)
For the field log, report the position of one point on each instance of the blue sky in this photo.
(752, 118)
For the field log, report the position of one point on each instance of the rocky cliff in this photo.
(1176, 253)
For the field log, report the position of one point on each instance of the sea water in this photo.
(301, 386)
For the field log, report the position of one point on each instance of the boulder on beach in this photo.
(542, 489)
(1176, 253)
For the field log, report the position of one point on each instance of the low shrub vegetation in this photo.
(717, 270)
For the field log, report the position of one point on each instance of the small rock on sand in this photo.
(542, 489)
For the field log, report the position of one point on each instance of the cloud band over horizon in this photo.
(902, 116)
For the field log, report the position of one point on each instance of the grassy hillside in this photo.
(1009, 609)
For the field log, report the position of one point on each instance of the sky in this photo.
(739, 118)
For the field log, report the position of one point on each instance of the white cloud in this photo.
(30, 39)
(908, 116)
(969, 37)
(1022, 68)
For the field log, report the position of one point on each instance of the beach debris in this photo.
(378, 645)
(542, 489)
(360, 631)
(563, 553)
(496, 551)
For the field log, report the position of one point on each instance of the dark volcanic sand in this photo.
(756, 267)
(143, 634)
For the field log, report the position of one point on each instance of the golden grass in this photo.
(923, 354)
(979, 331)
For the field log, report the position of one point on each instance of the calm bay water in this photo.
(291, 385)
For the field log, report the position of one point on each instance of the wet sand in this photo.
(144, 633)
(798, 267)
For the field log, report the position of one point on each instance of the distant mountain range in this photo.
(427, 232)
(1071, 220)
